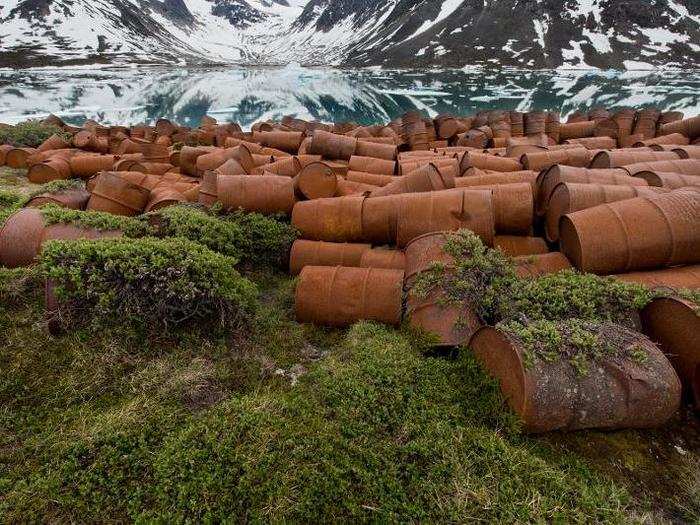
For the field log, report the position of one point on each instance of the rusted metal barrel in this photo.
(426, 178)
(682, 277)
(593, 142)
(533, 266)
(474, 177)
(623, 157)
(114, 194)
(518, 246)
(366, 148)
(372, 165)
(288, 141)
(419, 213)
(670, 181)
(577, 130)
(570, 197)
(452, 324)
(369, 178)
(24, 233)
(489, 162)
(85, 166)
(208, 192)
(231, 167)
(578, 157)
(689, 127)
(551, 178)
(74, 199)
(348, 187)
(16, 158)
(379, 216)
(674, 324)
(189, 156)
(618, 392)
(319, 253)
(266, 194)
(316, 181)
(164, 196)
(339, 296)
(688, 152)
(514, 207)
(288, 167)
(53, 142)
(446, 164)
(333, 146)
(683, 166)
(672, 139)
(336, 219)
(383, 258)
(636, 234)
(4, 149)
(54, 169)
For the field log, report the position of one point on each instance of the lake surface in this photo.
(132, 96)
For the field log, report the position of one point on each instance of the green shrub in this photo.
(153, 284)
(130, 226)
(57, 186)
(250, 237)
(30, 134)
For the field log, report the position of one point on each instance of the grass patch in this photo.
(30, 134)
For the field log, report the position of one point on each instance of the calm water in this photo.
(132, 96)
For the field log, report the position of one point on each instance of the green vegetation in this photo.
(57, 186)
(30, 134)
(130, 226)
(252, 238)
(154, 284)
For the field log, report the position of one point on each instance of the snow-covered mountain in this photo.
(578, 34)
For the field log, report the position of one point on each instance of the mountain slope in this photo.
(579, 34)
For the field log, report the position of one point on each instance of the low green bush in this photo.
(30, 133)
(57, 186)
(148, 283)
(250, 237)
(131, 226)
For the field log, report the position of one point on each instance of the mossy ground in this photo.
(286, 422)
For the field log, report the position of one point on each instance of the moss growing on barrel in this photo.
(57, 187)
(579, 342)
(154, 284)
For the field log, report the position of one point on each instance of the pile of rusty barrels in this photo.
(608, 192)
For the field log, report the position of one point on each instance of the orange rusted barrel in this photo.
(474, 177)
(164, 196)
(372, 165)
(518, 246)
(453, 325)
(593, 142)
(444, 163)
(379, 216)
(74, 199)
(348, 187)
(24, 233)
(231, 167)
(154, 168)
(288, 167)
(189, 156)
(367, 148)
(683, 166)
(578, 157)
(266, 194)
(514, 207)
(332, 146)
(426, 178)
(383, 258)
(576, 130)
(623, 157)
(288, 141)
(552, 177)
(319, 253)
(674, 324)
(489, 162)
(85, 166)
(336, 219)
(673, 139)
(636, 234)
(316, 181)
(688, 152)
(451, 210)
(54, 169)
(671, 181)
(682, 277)
(17, 157)
(116, 195)
(533, 266)
(547, 395)
(369, 178)
(689, 127)
(215, 159)
(4, 149)
(53, 142)
(570, 197)
(339, 296)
